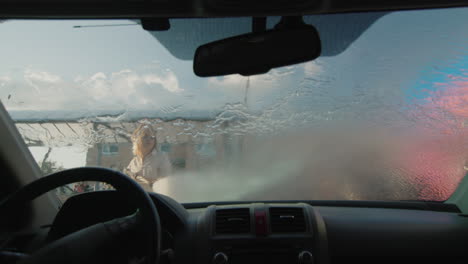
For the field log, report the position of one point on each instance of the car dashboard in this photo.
(287, 232)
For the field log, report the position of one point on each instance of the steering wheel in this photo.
(83, 245)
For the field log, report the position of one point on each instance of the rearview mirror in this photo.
(257, 53)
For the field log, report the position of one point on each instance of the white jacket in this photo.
(153, 167)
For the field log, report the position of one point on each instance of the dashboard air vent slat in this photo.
(233, 221)
(287, 220)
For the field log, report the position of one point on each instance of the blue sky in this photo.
(436, 74)
(57, 47)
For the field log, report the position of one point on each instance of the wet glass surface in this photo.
(382, 115)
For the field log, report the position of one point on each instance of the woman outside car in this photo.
(149, 165)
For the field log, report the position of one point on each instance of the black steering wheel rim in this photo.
(148, 212)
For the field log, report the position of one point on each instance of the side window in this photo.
(179, 163)
(165, 147)
(206, 150)
(110, 149)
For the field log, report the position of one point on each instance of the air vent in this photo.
(233, 221)
(287, 220)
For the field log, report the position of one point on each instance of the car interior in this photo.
(129, 224)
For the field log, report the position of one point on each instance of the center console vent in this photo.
(233, 221)
(287, 220)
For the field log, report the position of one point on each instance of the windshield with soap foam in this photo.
(381, 115)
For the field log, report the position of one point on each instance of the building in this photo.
(190, 144)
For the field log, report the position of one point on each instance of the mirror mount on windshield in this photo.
(290, 22)
(290, 42)
(155, 24)
(259, 24)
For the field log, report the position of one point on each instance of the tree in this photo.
(48, 167)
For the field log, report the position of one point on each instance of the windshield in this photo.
(380, 115)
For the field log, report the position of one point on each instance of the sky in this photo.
(51, 65)
(400, 60)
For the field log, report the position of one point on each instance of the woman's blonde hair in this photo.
(140, 132)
